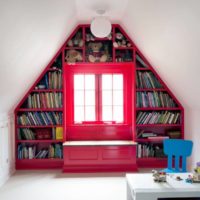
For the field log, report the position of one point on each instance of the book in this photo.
(59, 133)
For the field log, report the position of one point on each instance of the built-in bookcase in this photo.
(159, 115)
(39, 121)
(41, 115)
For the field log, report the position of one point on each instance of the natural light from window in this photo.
(103, 102)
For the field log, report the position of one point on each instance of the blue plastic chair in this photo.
(179, 150)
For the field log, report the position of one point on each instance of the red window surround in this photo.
(98, 129)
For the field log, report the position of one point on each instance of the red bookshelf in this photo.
(148, 106)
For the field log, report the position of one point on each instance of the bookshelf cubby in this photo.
(42, 116)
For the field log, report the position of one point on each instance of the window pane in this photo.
(79, 113)
(118, 115)
(79, 98)
(118, 97)
(106, 82)
(90, 98)
(78, 82)
(90, 82)
(107, 98)
(90, 113)
(107, 113)
(118, 82)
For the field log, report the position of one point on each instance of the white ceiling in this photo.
(114, 9)
(167, 32)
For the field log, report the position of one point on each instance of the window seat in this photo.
(100, 156)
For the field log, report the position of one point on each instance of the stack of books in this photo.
(163, 117)
(45, 100)
(154, 99)
(147, 80)
(40, 118)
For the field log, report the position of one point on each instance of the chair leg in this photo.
(177, 163)
(184, 164)
(169, 162)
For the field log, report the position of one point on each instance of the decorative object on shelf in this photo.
(100, 25)
(43, 134)
(96, 53)
(76, 41)
(174, 134)
(121, 41)
(159, 176)
(73, 56)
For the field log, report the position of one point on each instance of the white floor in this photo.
(54, 185)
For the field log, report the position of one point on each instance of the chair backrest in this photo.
(180, 150)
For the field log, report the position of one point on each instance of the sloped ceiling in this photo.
(167, 32)
(30, 35)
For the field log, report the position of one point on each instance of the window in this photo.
(84, 98)
(98, 98)
(112, 97)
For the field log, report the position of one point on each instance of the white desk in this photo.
(143, 187)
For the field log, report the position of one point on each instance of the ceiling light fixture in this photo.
(100, 25)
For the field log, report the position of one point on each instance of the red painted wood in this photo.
(99, 158)
(125, 131)
(151, 162)
(38, 141)
(39, 164)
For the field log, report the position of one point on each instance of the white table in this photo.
(143, 187)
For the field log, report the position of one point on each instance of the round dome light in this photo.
(100, 27)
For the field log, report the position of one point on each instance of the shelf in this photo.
(54, 69)
(43, 126)
(40, 160)
(39, 141)
(152, 159)
(98, 39)
(151, 89)
(47, 90)
(123, 48)
(158, 125)
(51, 163)
(142, 69)
(159, 140)
(39, 109)
(157, 108)
(75, 48)
(152, 162)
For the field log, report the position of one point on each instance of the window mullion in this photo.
(84, 98)
(98, 98)
(112, 97)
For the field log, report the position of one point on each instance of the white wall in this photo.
(30, 35)
(7, 154)
(192, 130)
(168, 34)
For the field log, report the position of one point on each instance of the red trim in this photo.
(102, 68)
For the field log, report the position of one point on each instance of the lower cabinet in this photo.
(95, 157)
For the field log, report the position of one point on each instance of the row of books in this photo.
(45, 100)
(40, 118)
(55, 133)
(51, 80)
(154, 99)
(163, 117)
(140, 62)
(149, 150)
(32, 152)
(147, 80)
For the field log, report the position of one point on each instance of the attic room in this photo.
(97, 94)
